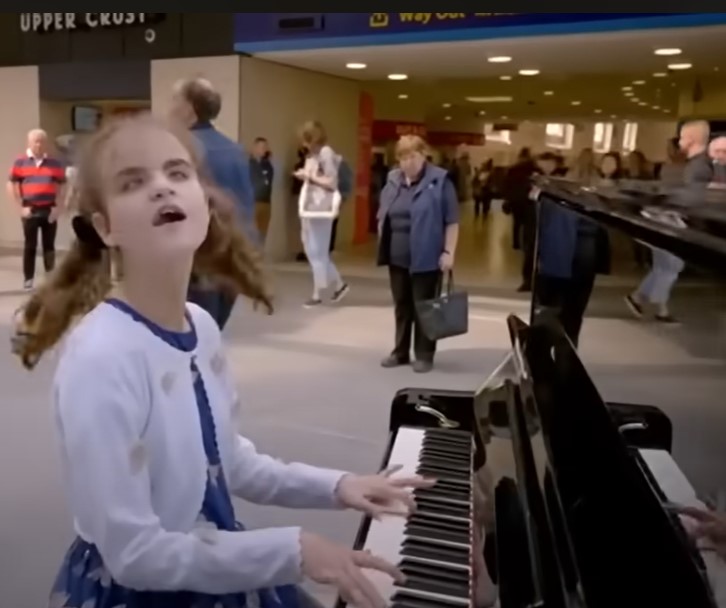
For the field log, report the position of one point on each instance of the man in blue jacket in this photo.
(197, 104)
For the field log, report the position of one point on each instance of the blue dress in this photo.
(84, 582)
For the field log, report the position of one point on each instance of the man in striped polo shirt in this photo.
(36, 184)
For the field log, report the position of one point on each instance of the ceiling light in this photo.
(598, 111)
(356, 66)
(680, 66)
(668, 52)
(660, 75)
(613, 116)
(482, 113)
(642, 103)
(638, 82)
(505, 78)
(403, 96)
(576, 103)
(667, 111)
(499, 59)
(529, 72)
(656, 107)
(447, 118)
(505, 117)
(446, 105)
(549, 93)
(496, 99)
(397, 77)
(628, 93)
(627, 88)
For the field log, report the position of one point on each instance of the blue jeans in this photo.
(316, 238)
(657, 286)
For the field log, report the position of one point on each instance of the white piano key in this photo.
(670, 478)
(386, 537)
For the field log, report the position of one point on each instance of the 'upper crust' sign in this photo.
(54, 22)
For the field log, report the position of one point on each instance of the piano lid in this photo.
(689, 222)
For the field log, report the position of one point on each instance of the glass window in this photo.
(559, 135)
(602, 140)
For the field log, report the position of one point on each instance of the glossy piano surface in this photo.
(589, 506)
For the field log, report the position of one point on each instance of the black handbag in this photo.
(446, 316)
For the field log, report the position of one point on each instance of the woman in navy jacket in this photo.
(418, 226)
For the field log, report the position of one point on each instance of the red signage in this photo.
(392, 130)
(363, 170)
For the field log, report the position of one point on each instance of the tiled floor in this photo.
(313, 391)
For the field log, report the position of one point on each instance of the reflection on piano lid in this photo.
(699, 238)
(580, 519)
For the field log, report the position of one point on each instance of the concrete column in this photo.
(19, 99)
(275, 100)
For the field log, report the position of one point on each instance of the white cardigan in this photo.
(136, 470)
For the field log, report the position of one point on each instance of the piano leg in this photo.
(486, 593)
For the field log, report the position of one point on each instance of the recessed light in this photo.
(598, 111)
(403, 96)
(398, 77)
(613, 116)
(668, 52)
(680, 66)
(447, 118)
(667, 111)
(356, 66)
(660, 75)
(505, 78)
(642, 103)
(638, 82)
(499, 59)
(505, 117)
(628, 93)
(549, 93)
(635, 99)
(576, 103)
(529, 72)
(482, 113)
(446, 105)
(656, 107)
(628, 88)
(496, 99)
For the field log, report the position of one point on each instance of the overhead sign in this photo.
(55, 22)
(260, 32)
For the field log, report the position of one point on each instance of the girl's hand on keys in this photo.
(329, 564)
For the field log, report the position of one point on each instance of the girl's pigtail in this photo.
(227, 256)
(78, 285)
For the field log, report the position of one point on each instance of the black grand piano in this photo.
(566, 487)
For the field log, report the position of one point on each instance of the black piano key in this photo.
(438, 472)
(463, 494)
(433, 533)
(452, 575)
(454, 555)
(443, 508)
(406, 600)
(449, 433)
(446, 466)
(430, 585)
(441, 524)
(445, 457)
(449, 446)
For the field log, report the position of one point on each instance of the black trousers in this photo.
(38, 222)
(407, 289)
(334, 235)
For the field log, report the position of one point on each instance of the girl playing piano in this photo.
(146, 410)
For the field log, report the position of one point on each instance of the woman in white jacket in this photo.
(318, 210)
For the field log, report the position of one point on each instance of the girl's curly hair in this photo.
(83, 279)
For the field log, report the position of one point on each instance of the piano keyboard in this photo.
(433, 547)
